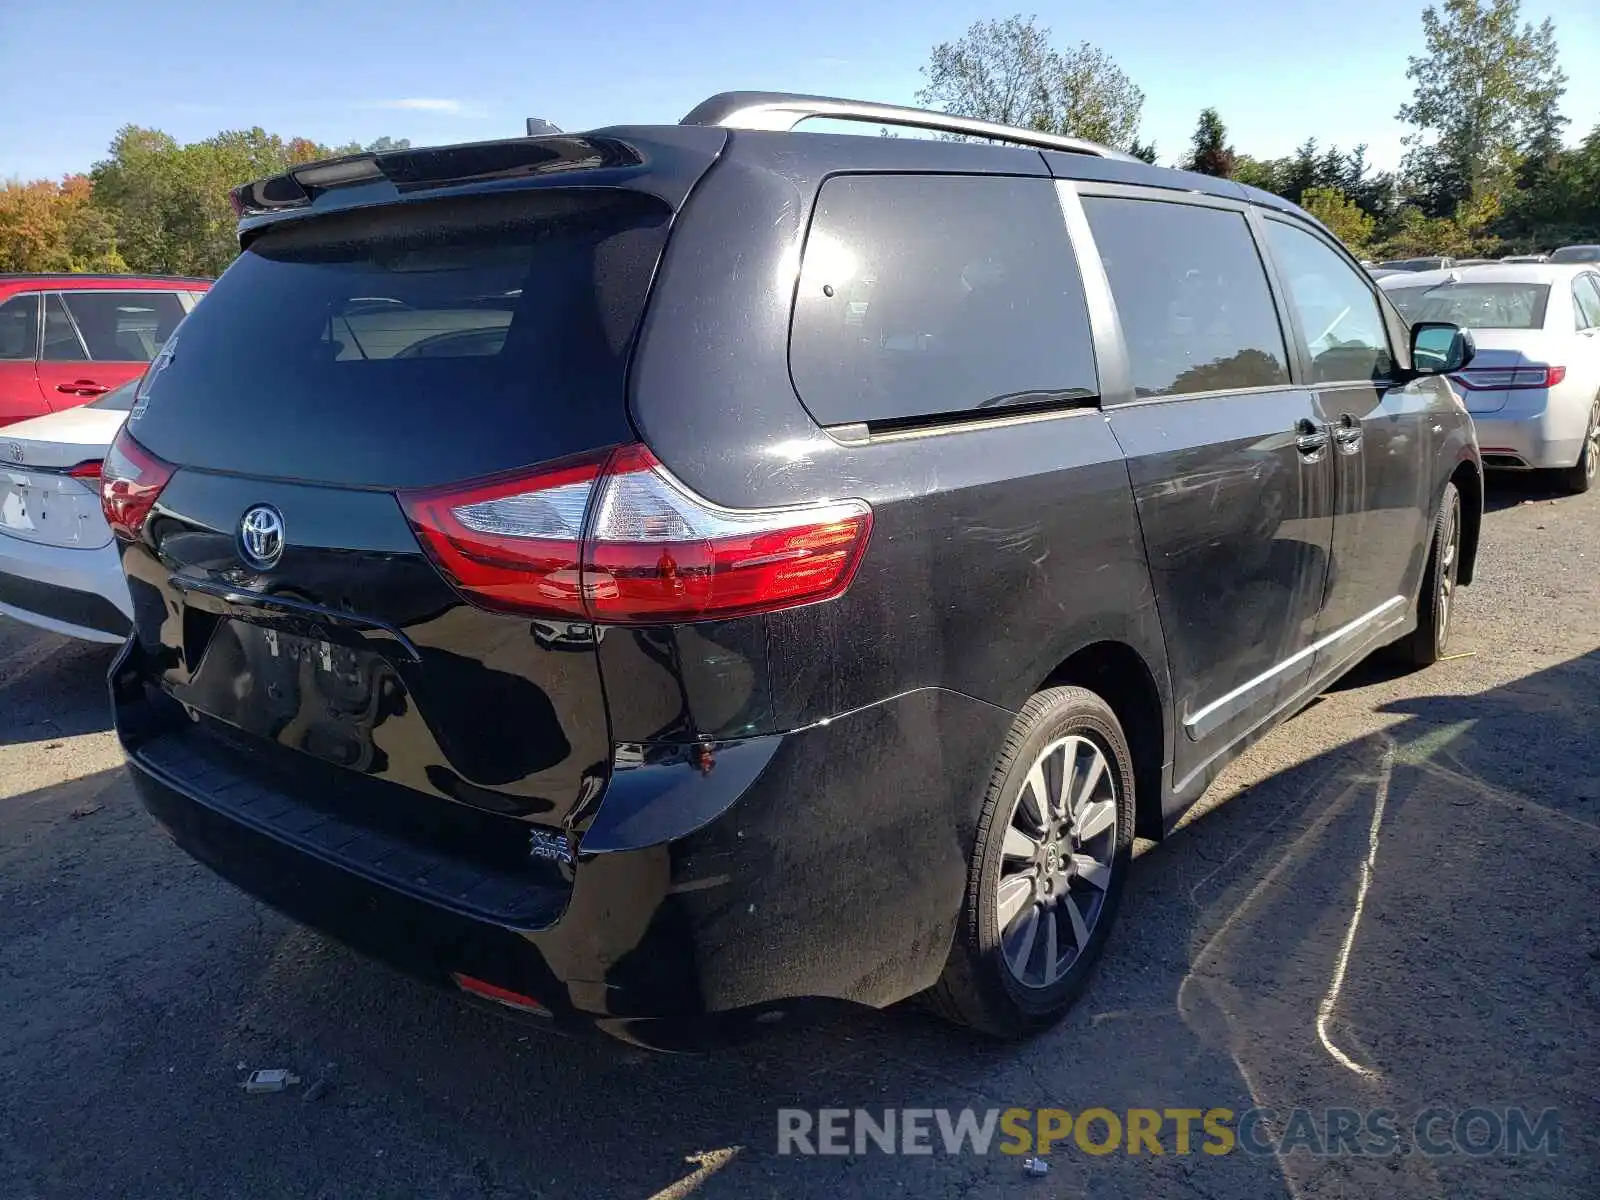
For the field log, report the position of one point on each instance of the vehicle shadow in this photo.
(1507, 489)
(54, 687)
(1402, 920)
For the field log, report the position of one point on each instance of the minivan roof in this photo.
(619, 155)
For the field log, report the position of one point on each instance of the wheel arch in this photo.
(1120, 676)
(1469, 482)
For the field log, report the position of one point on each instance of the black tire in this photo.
(1580, 477)
(979, 987)
(1430, 641)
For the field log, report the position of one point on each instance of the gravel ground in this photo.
(1389, 903)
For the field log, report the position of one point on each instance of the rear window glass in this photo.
(923, 295)
(1192, 296)
(118, 399)
(422, 342)
(1475, 305)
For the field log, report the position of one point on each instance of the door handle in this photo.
(82, 387)
(1310, 439)
(1347, 434)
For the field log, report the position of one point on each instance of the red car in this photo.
(65, 339)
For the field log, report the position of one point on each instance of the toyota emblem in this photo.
(261, 536)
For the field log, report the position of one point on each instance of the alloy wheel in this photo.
(1449, 562)
(1591, 456)
(1057, 860)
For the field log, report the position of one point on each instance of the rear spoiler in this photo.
(433, 166)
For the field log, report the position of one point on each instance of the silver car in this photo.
(1534, 387)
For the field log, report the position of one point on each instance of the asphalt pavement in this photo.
(1392, 903)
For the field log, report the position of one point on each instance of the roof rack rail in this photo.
(782, 111)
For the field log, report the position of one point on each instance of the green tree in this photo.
(1345, 219)
(1482, 88)
(1304, 171)
(1143, 151)
(1210, 153)
(169, 203)
(1558, 202)
(47, 226)
(1008, 71)
(1268, 174)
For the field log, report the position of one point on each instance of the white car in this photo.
(59, 568)
(1533, 388)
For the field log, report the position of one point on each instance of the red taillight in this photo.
(130, 480)
(1510, 379)
(615, 538)
(86, 470)
(512, 542)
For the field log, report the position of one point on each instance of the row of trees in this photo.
(1485, 170)
(152, 205)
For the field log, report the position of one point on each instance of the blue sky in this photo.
(73, 71)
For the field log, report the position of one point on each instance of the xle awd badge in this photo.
(261, 537)
(547, 845)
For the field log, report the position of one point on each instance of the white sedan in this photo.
(1533, 388)
(59, 568)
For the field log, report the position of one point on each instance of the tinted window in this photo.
(414, 343)
(1339, 317)
(1191, 294)
(127, 326)
(922, 295)
(1586, 296)
(61, 341)
(19, 327)
(1475, 305)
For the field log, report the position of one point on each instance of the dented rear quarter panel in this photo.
(998, 548)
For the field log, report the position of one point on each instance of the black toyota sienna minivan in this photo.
(664, 572)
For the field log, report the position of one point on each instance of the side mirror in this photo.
(1440, 348)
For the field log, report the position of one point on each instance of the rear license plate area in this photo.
(22, 506)
(312, 694)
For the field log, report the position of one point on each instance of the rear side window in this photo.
(925, 295)
(1340, 321)
(61, 341)
(415, 343)
(1191, 294)
(128, 326)
(1586, 298)
(19, 328)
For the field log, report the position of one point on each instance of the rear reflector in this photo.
(89, 471)
(131, 478)
(615, 538)
(1506, 379)
(500, 995)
